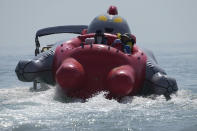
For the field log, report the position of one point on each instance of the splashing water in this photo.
(21, 109)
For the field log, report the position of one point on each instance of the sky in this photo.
(151, 21)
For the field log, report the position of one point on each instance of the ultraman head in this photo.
(109, 23)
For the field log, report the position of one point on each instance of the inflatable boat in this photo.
(103, 57)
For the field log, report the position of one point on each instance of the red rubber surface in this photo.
(84, 71)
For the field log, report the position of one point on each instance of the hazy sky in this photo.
(152, 21)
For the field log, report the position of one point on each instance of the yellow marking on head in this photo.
(118, 35)
(102, 18)
(118, 20)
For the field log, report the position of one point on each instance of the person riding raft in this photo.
(127, 42)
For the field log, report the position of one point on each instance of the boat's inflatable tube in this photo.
(81, 71)
(39, 68)
(157, 81)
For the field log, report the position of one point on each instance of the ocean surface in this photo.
(24, 110)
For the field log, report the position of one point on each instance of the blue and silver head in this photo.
(109, 23)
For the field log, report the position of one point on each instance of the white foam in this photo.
(21, 108)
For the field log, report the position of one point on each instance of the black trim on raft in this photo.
(166, 94)
(33, 72)
(20, 70)
(39, 71)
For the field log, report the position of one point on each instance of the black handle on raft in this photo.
(37, 51)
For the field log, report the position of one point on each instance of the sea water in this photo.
(24, 110)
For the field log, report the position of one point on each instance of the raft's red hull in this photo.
(82, 71)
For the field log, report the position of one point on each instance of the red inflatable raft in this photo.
(82, 70)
